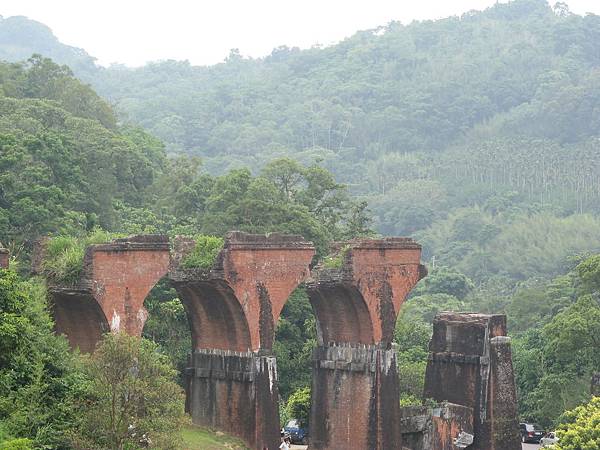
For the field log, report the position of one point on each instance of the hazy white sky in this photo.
(202, 31)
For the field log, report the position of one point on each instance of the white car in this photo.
(549, 440)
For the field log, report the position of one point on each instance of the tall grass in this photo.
(63, 258)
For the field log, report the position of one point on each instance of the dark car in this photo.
(298, 434)
(531, 432)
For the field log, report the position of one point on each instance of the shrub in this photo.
(135, 403)
(204, 254)
(336, 260)
(16, 444)
(580, 427)
(298, 406)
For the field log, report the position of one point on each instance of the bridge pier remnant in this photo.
(117, 277)
(470, 364)
(355, 389)
(4, 258)
(233, 308)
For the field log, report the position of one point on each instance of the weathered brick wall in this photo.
(445, 427)
(355, 398)
(470, 364)
(110, 296)
(355, 395)
(79, 317)
(235, 392)
(236, 304)
(123, 273)
(4, 258)
(234, 307)
(360, 302)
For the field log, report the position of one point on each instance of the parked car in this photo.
(298, 434)
(531, 432)
(549, 440)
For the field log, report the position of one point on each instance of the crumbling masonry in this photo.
(470, 364)
(4, 258)
(233, 309)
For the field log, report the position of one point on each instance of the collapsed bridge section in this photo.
(470, 364)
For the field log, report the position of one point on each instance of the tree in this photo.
(298, 406)
(589, 271)
(579, 428)
(444, 280)
(39, 380)
(134, 399)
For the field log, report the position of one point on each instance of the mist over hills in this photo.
(419, 120)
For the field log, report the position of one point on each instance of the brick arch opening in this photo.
(216, 318)
(80, 318)
(342, 315)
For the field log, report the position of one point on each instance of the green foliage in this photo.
(298, 406)
(63, 161)
(295, 337)
(168, 325)
(555, 358)
(63, 255)
(16, 444)
(336, 260)
(589, 272)
(412, 335)
(39, 382)
(444, 280)
(204, 254)
(579, 428)
(134, 402)
(479, 243)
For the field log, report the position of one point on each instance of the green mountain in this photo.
(494, 110)
(21, 37)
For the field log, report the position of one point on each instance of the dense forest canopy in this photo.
(477, 135)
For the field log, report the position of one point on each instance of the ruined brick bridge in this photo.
(233, 309)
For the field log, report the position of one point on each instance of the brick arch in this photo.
(342, 315)
(249, 283)
(216, 318)
(79, 317)
(109, 296)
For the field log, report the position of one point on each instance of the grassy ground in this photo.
(196, 438)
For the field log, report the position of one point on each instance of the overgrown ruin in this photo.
(4, 258)
(233, 309)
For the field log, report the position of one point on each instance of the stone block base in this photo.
(235, 392)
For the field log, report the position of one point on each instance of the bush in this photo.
(16, 444)
(204, 254)
(38, 376)
(580, 427)
(298, 406)
(336, 260)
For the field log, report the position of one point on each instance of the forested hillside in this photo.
(477, 135)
